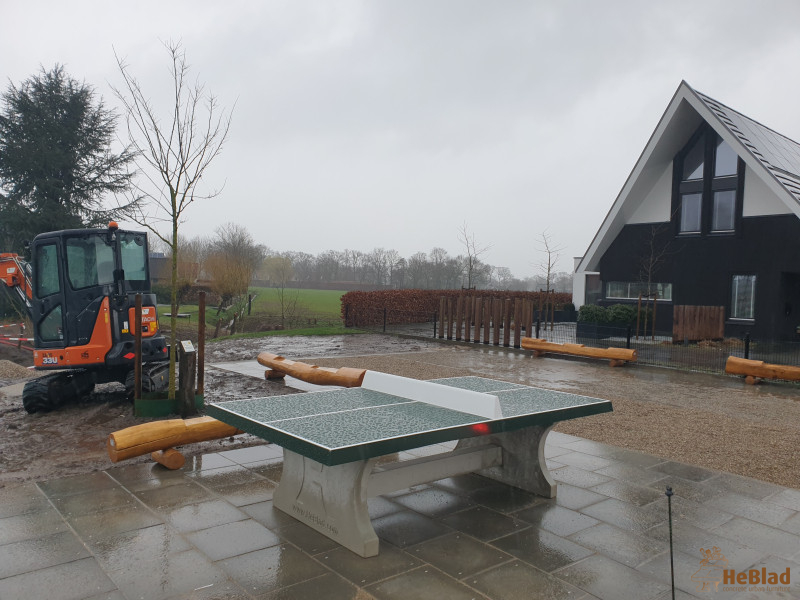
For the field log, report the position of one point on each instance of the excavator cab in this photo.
(82, 304)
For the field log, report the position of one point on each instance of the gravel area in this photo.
(706, 420)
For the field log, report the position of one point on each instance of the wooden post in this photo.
(449, 318)
(442, 308)
(507, 322)
(459, 316)
(137, 349)
(517, 321)
(529, 317)
(187, 368)
(496, 319)
(487, 319)
(201, 344)
(467, 317)
(478, 314)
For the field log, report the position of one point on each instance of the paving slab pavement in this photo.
(209, 530)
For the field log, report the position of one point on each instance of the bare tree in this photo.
(548, 269)
(281, 273)
(474, 252)
(172, 156)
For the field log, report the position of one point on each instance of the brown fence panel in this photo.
(695, 323)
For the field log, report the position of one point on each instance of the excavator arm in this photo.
(16, 274)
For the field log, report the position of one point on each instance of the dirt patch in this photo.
(712, 421)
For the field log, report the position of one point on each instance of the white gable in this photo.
(773, 169)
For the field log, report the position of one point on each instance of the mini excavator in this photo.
(79, 289)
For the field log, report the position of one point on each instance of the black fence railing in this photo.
(654, 348)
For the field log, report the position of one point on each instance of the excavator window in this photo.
(47, 271)
(133, 251)
(90, 261)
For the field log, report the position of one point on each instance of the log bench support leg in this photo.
(523, 463)
(331, 500)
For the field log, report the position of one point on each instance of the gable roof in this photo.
(774, 157)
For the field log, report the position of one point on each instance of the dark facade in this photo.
(701, 269)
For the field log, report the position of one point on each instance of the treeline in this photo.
(435, 270)
(232, 260)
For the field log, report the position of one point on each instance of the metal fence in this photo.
(654, 349)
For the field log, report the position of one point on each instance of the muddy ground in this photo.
(707, 420)
(72, 439)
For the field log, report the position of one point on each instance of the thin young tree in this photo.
(474, 252)
(173, 153)
(548, 268)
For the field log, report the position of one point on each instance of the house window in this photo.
(708, 198)
(743, 297)
(630, 290)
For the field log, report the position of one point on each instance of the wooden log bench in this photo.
(616, 356)
(755, 370)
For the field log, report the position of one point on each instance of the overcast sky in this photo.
(391, 123)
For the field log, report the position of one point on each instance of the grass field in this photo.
(316, 312)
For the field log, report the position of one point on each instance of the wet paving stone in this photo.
(466, 484)
(578, 477)
(518, 581)
(433, 502)
(761, 537)
(253, 454)
(77, 505)
(407, 528)
(203, 515)
(484, 524)
(684, 471)
(147, 548)
(705, 516)
(335, 587)
(69, 581)
(761, 511)
(631, 473)
(307, 539)
(459, 555)
(269, 516)
(423, 583)
(690, 540)
(590, 447)
(685, 565)
(623, 546)
(704, 491)
(38, 553)
(272, 568)
(542, 549)
(746, 486)
(788, 497)
(112, 522)
(587, 462)
(629, 492)
(172, 575)
(576, 498)
(171, 496)
(231, 539)
(206, 462)
(611, 580)
(391, 561)
(77, 484)
(505, 499)
(555, 519)
(23, 499)
(627, 516)
(242, 494)
(27, 526)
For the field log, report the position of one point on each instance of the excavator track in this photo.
(51, 391)
(155, 378)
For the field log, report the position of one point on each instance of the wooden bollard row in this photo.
(616, 356)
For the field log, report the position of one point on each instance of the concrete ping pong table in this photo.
(333, 438)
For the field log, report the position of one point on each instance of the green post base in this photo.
(158, 405)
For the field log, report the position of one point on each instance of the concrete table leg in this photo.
(523, 465)
(331, 500)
